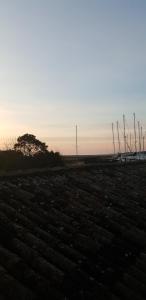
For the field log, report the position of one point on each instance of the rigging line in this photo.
(129, 130)
(126, 139)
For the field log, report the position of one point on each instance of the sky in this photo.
(68, 62)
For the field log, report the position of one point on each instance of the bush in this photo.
(15, 160)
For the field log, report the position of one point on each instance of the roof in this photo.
(74, 234)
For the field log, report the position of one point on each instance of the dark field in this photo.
(77, 233)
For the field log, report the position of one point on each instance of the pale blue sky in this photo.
(64, 62)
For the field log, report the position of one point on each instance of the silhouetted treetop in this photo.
(29, 145)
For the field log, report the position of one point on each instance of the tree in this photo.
(28, 145)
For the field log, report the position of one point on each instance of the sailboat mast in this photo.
(114, 148)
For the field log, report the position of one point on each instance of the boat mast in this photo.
(139, 136)
(113, 138)
(76, 140)
(135, 138)
(124, 134)
(118, 137)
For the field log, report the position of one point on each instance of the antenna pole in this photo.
(113, 139)
(118, 137)
(135, 138)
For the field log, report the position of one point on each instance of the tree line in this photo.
(29, 152)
